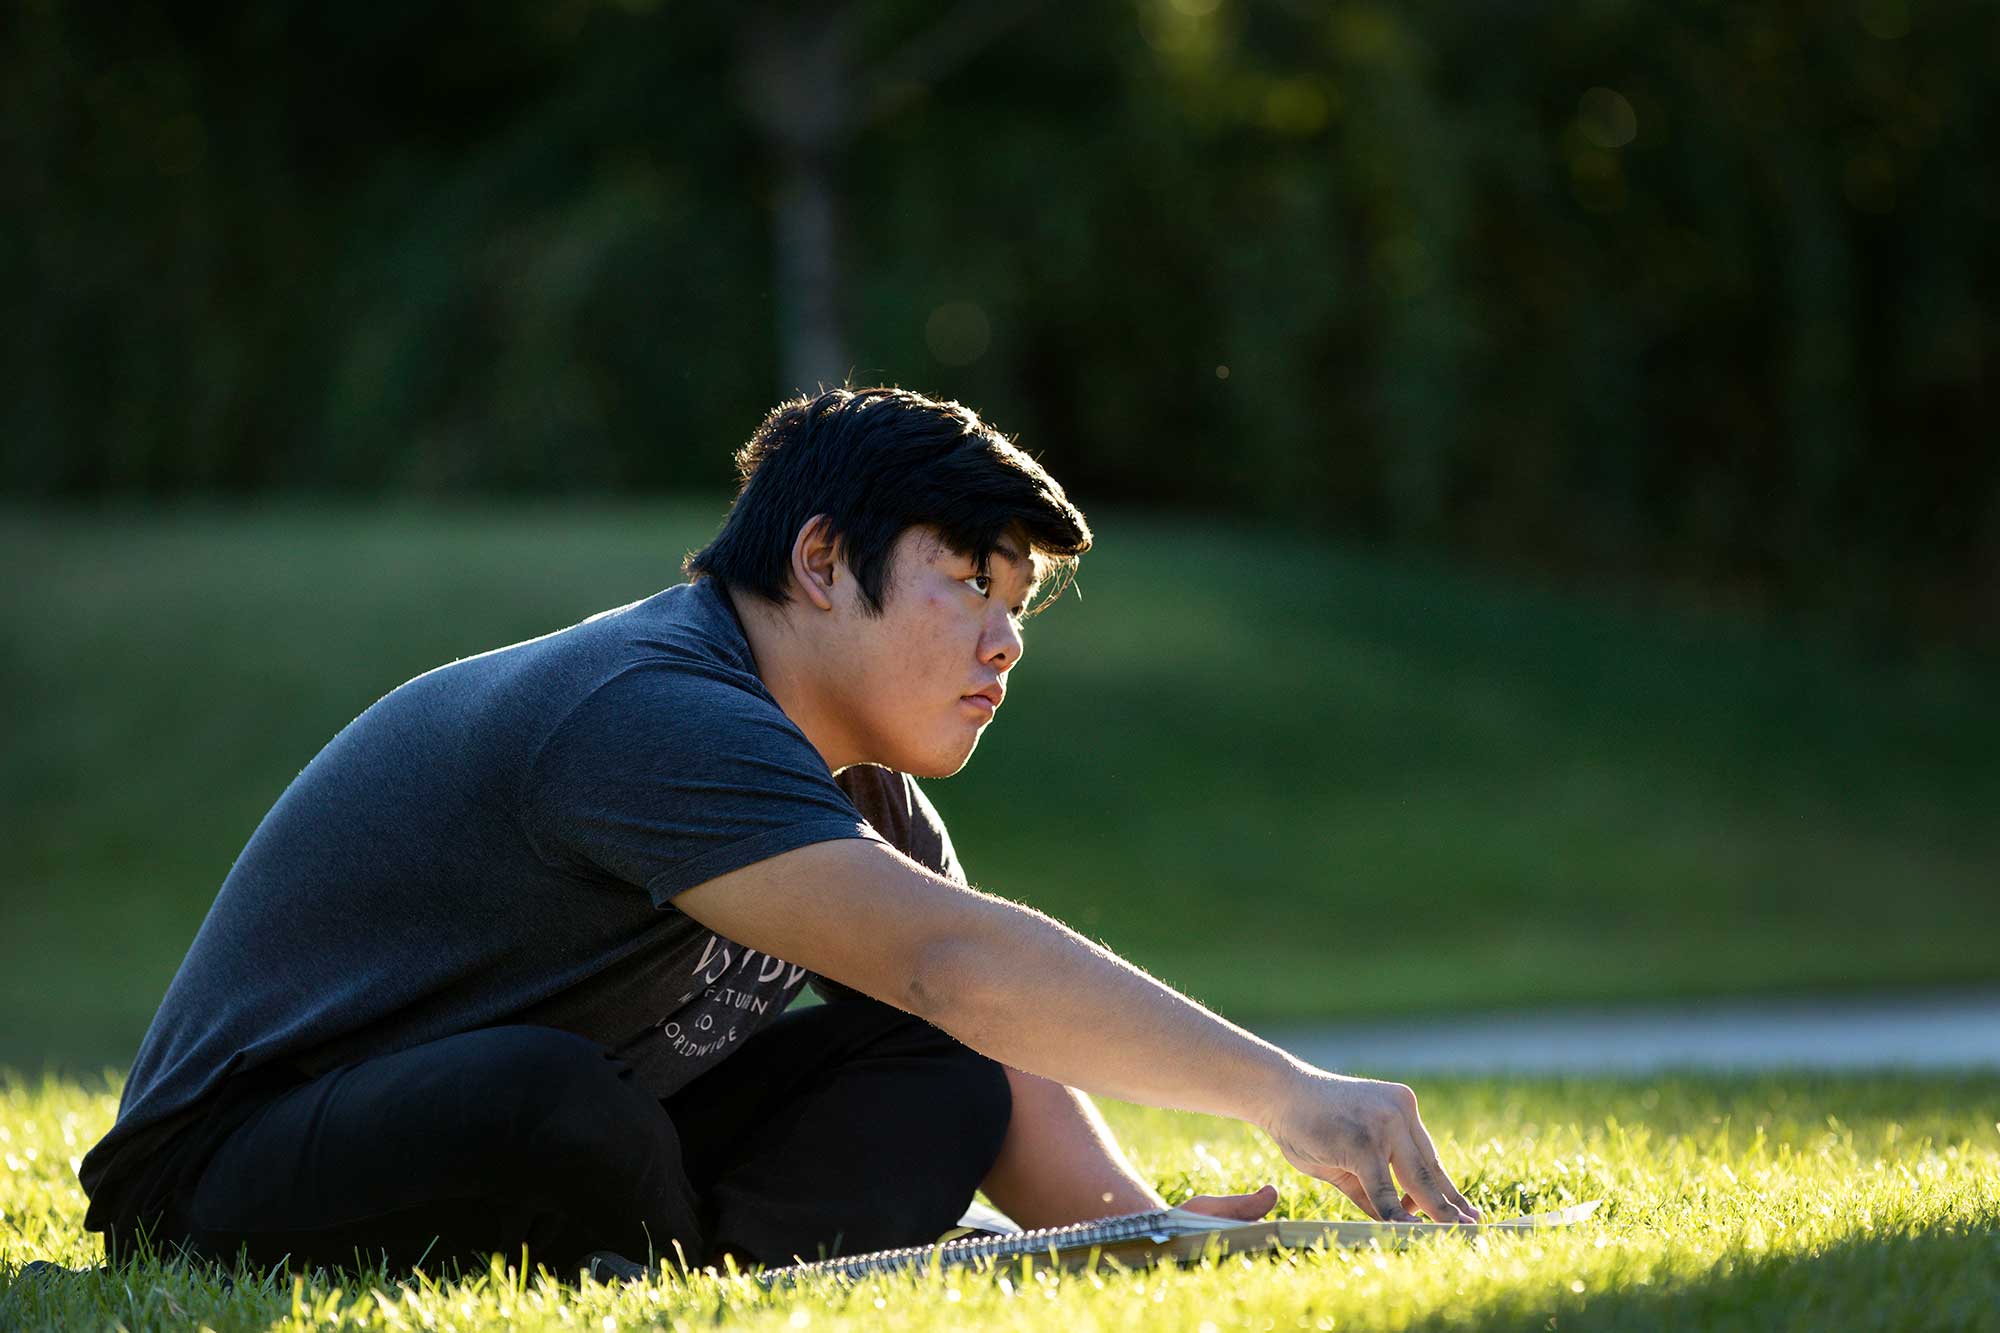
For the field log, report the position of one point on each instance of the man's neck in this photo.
(787, 659)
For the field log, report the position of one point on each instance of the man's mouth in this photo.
(986, 701)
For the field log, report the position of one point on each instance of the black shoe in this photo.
(606, 1267)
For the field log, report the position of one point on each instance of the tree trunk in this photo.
(806, 262)
(798, 87)
(798, 82)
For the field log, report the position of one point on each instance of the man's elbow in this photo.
(941, 981)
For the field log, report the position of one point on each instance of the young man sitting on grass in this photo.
(508, 964)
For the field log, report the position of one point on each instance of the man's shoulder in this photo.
(654, 646)
(608, 683)
(692, 619)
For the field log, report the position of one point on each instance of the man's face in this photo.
(912, 678)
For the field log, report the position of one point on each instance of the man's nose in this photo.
(1003, 642)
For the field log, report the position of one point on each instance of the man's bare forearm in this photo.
(1032, 993)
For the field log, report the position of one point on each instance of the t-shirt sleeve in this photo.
(667, 776)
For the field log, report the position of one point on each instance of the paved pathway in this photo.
(1958, 1030)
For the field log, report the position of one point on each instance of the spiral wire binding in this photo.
(1154, 1225)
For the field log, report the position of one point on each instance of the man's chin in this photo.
(942, 765)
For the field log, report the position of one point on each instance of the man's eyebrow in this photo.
(1013, 556)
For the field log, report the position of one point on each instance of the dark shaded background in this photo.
(1697, 296)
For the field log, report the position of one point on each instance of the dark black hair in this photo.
(877, 462)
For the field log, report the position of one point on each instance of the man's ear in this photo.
(815, 561)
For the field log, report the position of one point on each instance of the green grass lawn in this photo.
(1849, 1203)
(1295, 780)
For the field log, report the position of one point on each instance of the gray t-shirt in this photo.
(499, 841)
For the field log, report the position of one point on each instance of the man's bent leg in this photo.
(450, 1152)
(839, 1129)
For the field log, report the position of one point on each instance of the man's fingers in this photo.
(1427, 1185)
(1382, 1192)
(1413, 1205)
(1427, 1151)
(1350, 1184)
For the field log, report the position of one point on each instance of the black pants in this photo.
(837, 1129)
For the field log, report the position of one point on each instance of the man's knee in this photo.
(993, 1108)
(978, 1100)
(966, 1090)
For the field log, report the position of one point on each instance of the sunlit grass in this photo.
(1797, 1202)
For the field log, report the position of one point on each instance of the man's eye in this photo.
(982, 583)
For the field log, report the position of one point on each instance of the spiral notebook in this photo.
(1165, 1235)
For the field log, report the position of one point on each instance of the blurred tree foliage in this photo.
(1700, 294)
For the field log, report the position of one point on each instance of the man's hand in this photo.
(1351, 1132)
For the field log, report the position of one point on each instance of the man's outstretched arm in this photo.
(1021, 987)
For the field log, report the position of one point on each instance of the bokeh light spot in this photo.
(1604, 117)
